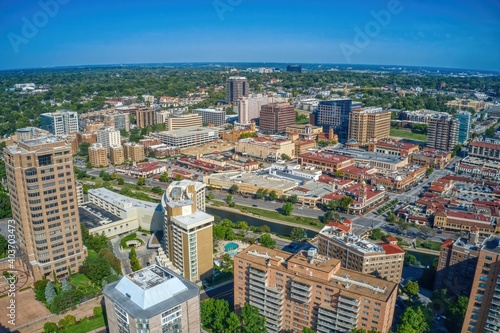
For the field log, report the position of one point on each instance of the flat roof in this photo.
(188, 131)
(365, 155)
(352, 241)
(248, 178)
(194, 219)
(491, 244)
(209, 110)
(93, 216)
(119, 200)
(150, 291)
(346, 280)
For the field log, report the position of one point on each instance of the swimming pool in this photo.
(230, 247)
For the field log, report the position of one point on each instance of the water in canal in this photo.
(277, 228)
(424, 258)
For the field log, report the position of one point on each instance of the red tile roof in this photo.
(327, 157)
(391, 248)
(339, 225)
(485, 145)
(447, 243)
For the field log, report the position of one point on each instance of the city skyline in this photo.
(52, 33)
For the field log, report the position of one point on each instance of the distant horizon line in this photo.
(153, 64)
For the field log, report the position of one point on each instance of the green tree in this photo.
(65, 286)
(40, 286)
(211, 196)
(121, 181)
(285, 157)
(97, 311)
(178, 178)
(50, 292)
(229, 198)
(259, 194)
(67, 321)
(411, 289)
(164, 177)
(299, 234)
(413, 320)
(4, 245)
(50, 327)
(141, 181)
(376, 234)
(214, 313)
(152, 154)
(456, 313)
(287, 208)
(456, 150)
(308, 330)
(328, 216)
(252, 321)
(273, 196)
(410, 259)
(293, 199)
(345, 202)
(111, 258)
(95, 268)
(323, 143)
(234, 189)
(267, 241)
(157, 190)
(429, 171)
(232, 323)
(83, 149)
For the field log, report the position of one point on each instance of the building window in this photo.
(171, 320)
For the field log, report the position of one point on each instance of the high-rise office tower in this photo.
(61, 122)
(187, 236)
(293, 291)
(369, 123)
(108, 136)
(483, 311)
(294, 68)
(43, 197)
(154, 300)
(333, 114)
(249, 107)
(211, 116)
(276, 117)
(145, 117)
(463, 126)
(442, 132)
(236, 87)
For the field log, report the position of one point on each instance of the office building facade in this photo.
(249, 107)
(145, 117)
(482, 314)
(120, 121)
(108, 136)
(61, 122)
(464, 119)
(153, 299)
(211, 116)
(43, 196)
(369, 124)
(183, 121)
(293, 291)
(294, 68)
(488, 149)
(189, 136)
(187, 240)
(276, 117)
(236, 87)
(333, 114)
(442, 133)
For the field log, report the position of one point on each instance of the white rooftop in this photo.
(194, 219)
(119, 200)
(150, 286)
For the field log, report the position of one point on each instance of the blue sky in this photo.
(457, 34)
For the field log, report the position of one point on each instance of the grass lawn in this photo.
(408, 135)
(86, 325)
(309, 221)
(132, 236)
(78, 280)
(431, 245)
(93, 254)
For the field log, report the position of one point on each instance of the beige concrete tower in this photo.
(43, 194)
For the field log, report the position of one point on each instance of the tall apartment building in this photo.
(442, 132)
(369, 123)
(133, 151)
(457, 264)
(116, 155)
(236, 87)
(333, 114)
(145, 117)
(276, 117)
(61, 122)
(183, 121)
(384, 260)
(300, 290)
(294, 68)
(488, 149)
(464, 119)
(43, 197)
(120, 121)
(187, 240)
(108, 136)
(153, 299)
(211, 116)
(98, 155)
(482, 314)
(189, 136)
(249, 107)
